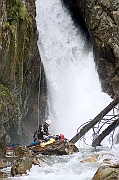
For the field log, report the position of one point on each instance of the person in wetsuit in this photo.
(42, 133)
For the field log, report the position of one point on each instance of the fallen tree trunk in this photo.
(106, 132)
(91, 124)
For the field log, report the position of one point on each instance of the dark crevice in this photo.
(79, 22)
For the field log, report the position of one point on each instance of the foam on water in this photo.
(70, 167)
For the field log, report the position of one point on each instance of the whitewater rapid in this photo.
(69, 167)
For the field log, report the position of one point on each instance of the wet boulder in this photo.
(107, 172)
(38, 161)
(21, 166)
(3, 163)
(92, 158)
(3, 175)
(56, 148)
(20, 152)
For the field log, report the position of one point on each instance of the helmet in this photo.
(48, 121)
(61, 136)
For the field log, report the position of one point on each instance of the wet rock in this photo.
(3, 163)
(20, 152)
(56, 148)
(2, 148)
(37, 161)
(3, 175)
(9, 116)
(107, 173)
(21, 166)
(106, 161)
(92, 158)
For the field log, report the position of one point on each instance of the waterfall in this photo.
(74, 90)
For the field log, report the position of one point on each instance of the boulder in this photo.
(38, 161)
(107, 172)
(3, 175)
(92, 158)
(20, 152)
(3, 163)
(56, 148)
(21, 166)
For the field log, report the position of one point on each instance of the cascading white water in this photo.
(74, 91)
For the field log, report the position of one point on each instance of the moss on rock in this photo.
(19, 55)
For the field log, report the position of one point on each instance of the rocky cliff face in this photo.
(20, 66)
(102, 20)
(19, 69)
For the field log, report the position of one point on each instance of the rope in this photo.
(42, 26)
(39, 94)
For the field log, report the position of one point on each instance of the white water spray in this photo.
(74, 91)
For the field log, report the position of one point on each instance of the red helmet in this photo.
(61, 136)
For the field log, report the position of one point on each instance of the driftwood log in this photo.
(91, 124)
(105, 133)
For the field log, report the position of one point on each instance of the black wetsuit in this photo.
(41, 132)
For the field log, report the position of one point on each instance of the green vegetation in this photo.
(2, 90)
(18, 47)
(6, 26)
(2, 93)
(18, 12)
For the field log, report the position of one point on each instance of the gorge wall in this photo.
(102, 21)
(21, 70)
